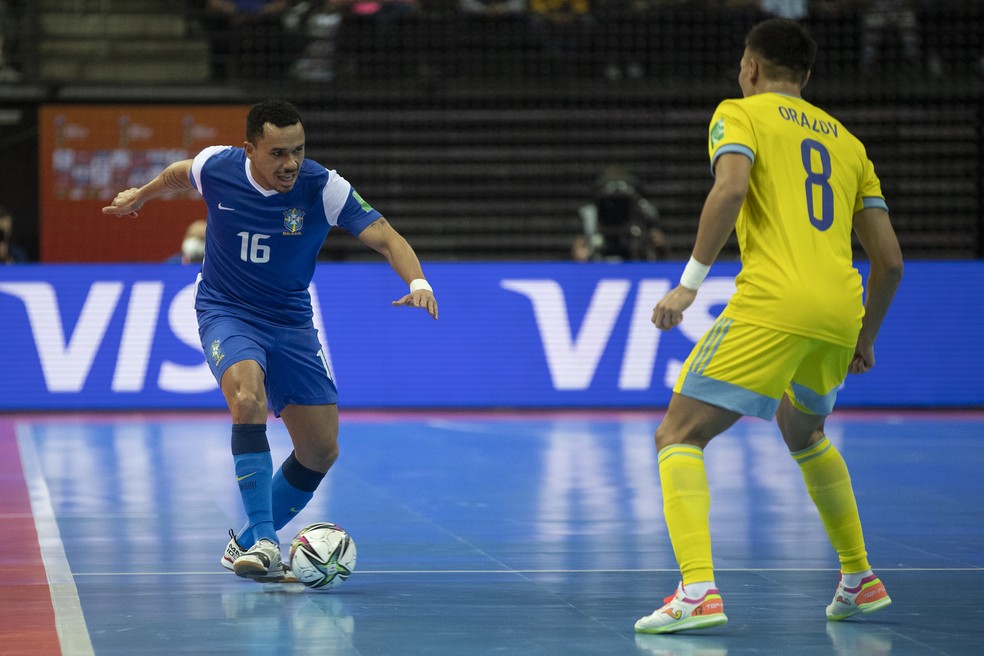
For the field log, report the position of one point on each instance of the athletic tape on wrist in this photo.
(694, 274)
(420, 283)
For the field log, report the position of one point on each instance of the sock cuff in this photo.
(684, 450)
(249, 438)
(299, 476)
(812, 451)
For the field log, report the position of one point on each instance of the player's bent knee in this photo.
(318, 455)
(331, 453)
(246, 408)
(666, 437)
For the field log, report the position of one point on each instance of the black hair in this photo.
(785, 44)
(278, 112)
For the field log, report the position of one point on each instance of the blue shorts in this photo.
(293, 362)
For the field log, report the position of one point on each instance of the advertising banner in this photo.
(93, 337)
(90, 153)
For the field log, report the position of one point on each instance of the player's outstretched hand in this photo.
(125, 204)
(669, 311)
(422, 299)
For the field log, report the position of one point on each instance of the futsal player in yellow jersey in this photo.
(793, 183)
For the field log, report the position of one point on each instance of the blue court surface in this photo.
(535, 533)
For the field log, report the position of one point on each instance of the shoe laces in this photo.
(678, 591)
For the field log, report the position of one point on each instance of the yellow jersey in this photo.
(809, 177)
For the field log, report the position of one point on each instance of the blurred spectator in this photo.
(885, 19)
(316, 24)
(792, 9)
(383, 10)
(10, 251)
(192, 246)
(389, 48)
(8, 38)
(622, 28)
(950, 33)
(620, 224)
(492, 8)
(246, 38)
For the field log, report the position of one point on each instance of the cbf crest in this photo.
(293, 221)
(216, 352)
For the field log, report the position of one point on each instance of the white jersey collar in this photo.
(256, 185)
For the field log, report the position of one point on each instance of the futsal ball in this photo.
(322, 556)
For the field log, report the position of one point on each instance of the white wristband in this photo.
(420, 283)
(694, 274)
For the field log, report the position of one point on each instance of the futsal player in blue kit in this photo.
(269, 211)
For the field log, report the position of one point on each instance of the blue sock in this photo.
(254, 473)
(293, 487)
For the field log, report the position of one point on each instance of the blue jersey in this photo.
(261, 246)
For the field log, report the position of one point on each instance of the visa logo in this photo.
(67, 359)
(573, 356)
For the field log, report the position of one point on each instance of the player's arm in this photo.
(176, 177)
(381, 237)
(732, 172)
(717, 220)
(878, 239)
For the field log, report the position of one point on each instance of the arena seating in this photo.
(482, 152)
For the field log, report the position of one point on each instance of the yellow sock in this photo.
(829, 485)
(687, 508)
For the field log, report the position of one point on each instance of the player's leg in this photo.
(237, 358)
(728, 374)
(801, 415)
(314, 432)
(302, 393)
(242, 386)
(688, 426)
(295, 482)
(731, 372)
(686, 429)
(828, 482)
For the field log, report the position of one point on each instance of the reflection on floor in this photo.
(479, 533)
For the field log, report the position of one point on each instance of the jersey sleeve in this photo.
(870, 192)
(730, 132)
(198, 164)
(344, 206)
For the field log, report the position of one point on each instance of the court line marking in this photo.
(554, 571)
(73, 635)
(483, 414)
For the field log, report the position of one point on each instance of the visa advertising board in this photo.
(565, 335)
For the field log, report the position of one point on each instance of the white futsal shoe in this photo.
(234, 551)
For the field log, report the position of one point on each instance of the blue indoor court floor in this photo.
(529, 533)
